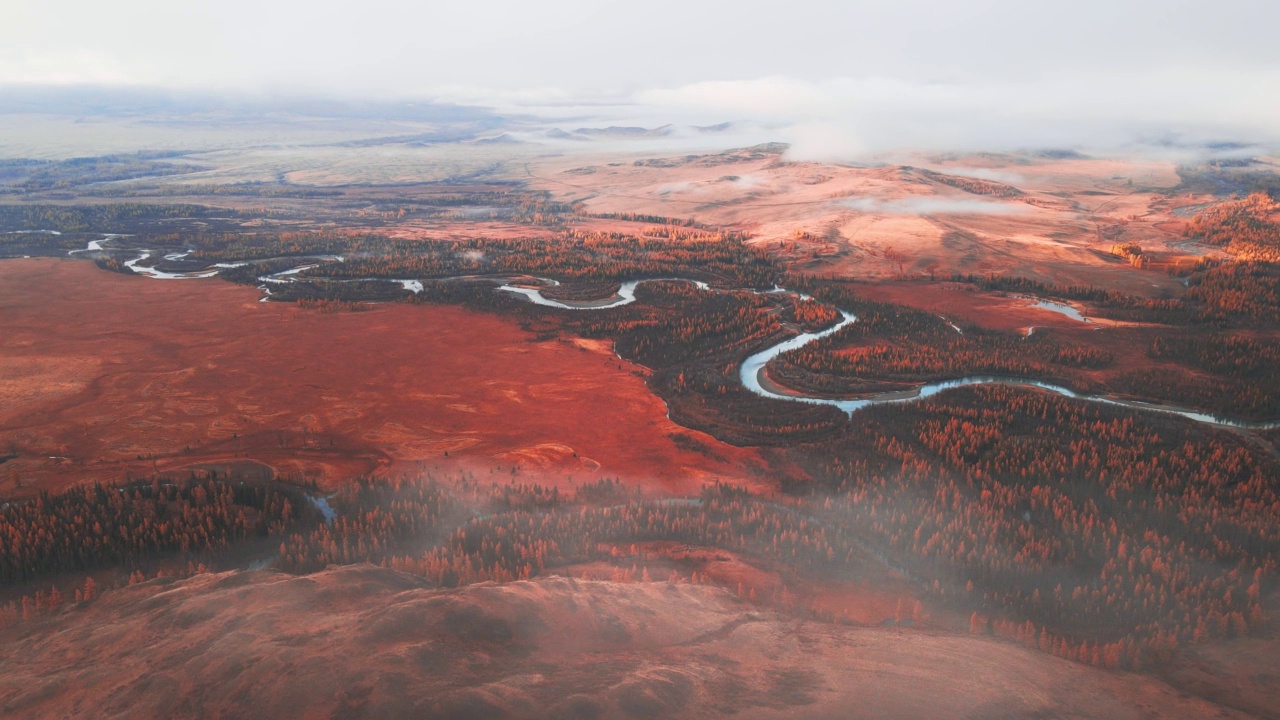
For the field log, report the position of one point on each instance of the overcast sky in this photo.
(895, 71)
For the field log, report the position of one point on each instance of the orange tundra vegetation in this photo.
(1080, 529)
(106, 377)
(1247, 228)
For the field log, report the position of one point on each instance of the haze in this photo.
(649, 361)
(838, 80)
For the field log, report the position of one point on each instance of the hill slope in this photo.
(366, 642)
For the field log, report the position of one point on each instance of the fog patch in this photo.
(1122, 113)
(933, 206)
(1000, 176)
(853, 119)
(676, 188)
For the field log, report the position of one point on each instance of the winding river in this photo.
(282, 277)
(626, 294)
(752, 372)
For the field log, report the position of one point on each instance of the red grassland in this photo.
(104, 376)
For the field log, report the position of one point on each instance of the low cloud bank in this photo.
(1184, 113)
(847, 119)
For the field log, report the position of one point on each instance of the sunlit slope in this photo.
(361, 641)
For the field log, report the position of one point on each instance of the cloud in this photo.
(933, 206)
(71, 67)
(846, 81)
(1170, 111)
(851, 119)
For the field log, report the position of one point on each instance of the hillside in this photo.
(263, 644)
(1248, 228)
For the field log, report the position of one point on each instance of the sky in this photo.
(855, 75)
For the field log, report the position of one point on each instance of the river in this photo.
(752, 372)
